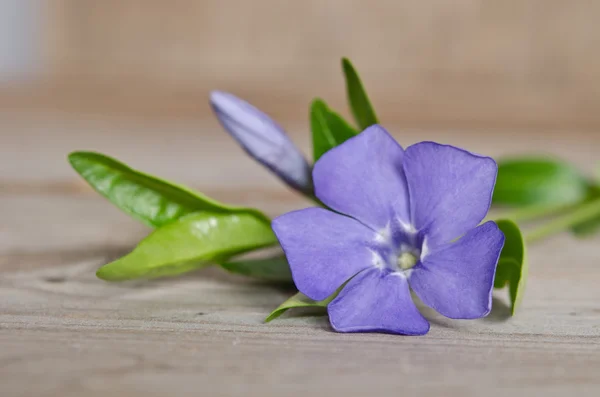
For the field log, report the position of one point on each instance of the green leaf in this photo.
(149, 199)
(359, 101)
(538, 181)
(301, 300)
(190, 243)
(587, 228)
(329, 129)
(591, 226)
(512, 266)
(296, 301)
(274, 269)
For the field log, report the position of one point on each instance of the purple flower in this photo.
(403, 219)
(263, 139)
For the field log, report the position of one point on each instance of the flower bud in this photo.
(263, 139)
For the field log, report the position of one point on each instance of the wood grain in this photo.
(511, 63)
(65, 333)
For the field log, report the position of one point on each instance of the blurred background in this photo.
(132, 77)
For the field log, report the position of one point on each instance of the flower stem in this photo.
(538, 211)
(581, 213)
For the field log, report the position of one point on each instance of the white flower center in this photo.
(401, 249)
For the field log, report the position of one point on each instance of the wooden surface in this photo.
(65, 333)
(460, 62)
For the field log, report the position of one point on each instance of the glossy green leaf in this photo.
(190, 243)
(512, 266)
(274, 269)
(297, 301)
(357, 97)
(329, 129)
(538, 181)
(153, 201)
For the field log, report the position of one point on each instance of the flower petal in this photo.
(457, 280)
(324, 249)
(363, 178)
(450, 190)
(263, 139)
(376, 300)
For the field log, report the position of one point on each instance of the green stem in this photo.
(538, 211)
(582, 213)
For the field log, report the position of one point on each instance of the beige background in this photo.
(466, 63)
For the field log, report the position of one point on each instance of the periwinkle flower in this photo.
(404, 219)
(263, 139)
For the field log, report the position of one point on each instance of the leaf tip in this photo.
(78, 157)
(347, 64)
(513, 310)
(269, 318)
(102, 274)
(274, 314)
(107, 273)
(73, 157)
(317, 102)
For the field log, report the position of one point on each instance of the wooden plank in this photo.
(204, 333)
(198, 151)
(466, 62)
(65, 333)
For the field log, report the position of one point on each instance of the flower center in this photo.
(407, 260)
